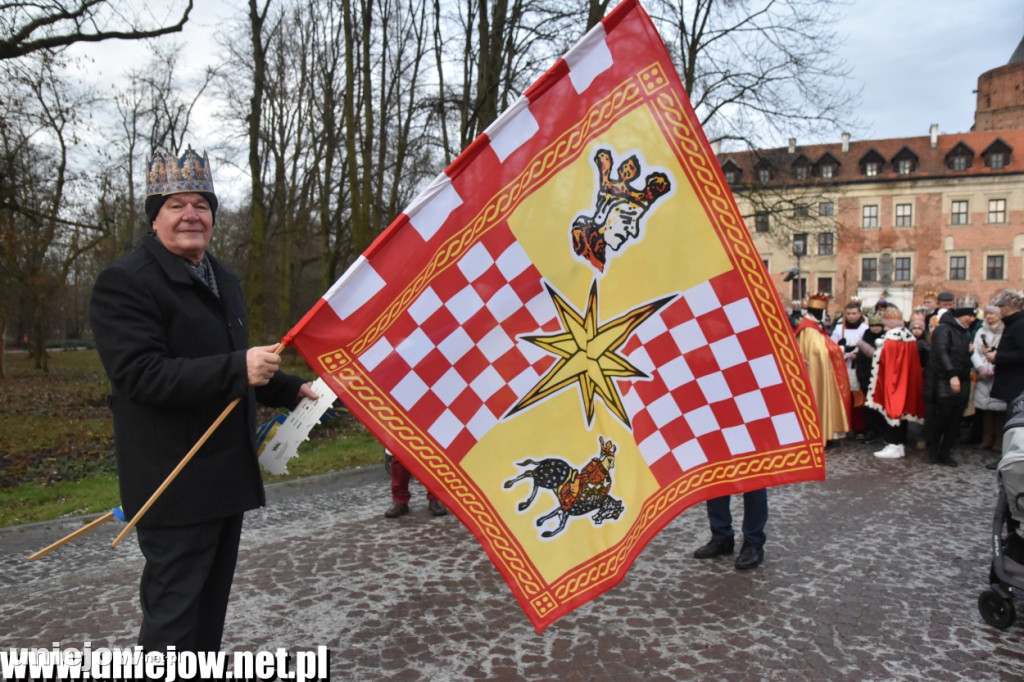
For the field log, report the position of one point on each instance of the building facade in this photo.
(895, 217)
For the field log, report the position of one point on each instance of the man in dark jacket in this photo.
(1008, 358)
(170, 326)
(948, 379)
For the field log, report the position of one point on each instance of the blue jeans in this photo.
(755, 516)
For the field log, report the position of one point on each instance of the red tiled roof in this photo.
(930, 162)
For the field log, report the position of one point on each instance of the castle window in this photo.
(959, 163)
(869, 269)
(904, 166)
(871, 169)
(901, 269)
(869, 216)
(958, 267)
(995, 267)
(761, 222)
(826, 208)
(764, 175)
(826, 171)
(826, 244)
(997, 210)
(998, 155)
(904, 215)
(958, 214)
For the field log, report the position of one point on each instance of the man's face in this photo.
(184, 225)
(948, 305)
(853, 316)
(931, 304)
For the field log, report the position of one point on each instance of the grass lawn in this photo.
(56, 439)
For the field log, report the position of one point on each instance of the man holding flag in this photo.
(170, 326)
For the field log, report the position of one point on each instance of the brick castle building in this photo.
(895, 217)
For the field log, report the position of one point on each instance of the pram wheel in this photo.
(996, 611)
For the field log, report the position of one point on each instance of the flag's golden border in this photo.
(649, 87)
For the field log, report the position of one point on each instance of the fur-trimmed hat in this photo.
(1011, 298)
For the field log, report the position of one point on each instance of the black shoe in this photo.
(750, 556)
(396, 510)
(993, 465)
(949, 462)
(436, 508)
(715, 548)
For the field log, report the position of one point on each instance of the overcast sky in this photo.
(916, 62)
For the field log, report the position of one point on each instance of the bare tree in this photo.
(42, 240)
(759, 69)
(33, 25)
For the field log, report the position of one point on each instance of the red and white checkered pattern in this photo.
(453, 360)
(715, 389)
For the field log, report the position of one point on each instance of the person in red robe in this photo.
(826, 365)
(896, 389)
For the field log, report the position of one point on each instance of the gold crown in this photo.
(168, 174)
(818, 301)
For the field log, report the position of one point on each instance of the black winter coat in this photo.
(175, 356)
(1008, 381)
(950, 356)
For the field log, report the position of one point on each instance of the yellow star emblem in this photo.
(587, 354)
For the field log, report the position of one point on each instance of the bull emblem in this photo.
(617, 210)
(578, 492)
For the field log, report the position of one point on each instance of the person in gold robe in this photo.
(826, 366)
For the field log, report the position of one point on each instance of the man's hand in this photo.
(261, 362)
(306, 391)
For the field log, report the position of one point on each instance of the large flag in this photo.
(569, 336)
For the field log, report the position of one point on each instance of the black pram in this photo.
(1007, 572)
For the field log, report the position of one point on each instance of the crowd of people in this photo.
(940, 374)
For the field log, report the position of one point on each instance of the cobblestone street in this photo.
(872, 575)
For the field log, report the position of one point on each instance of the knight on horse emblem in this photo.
(579, 492)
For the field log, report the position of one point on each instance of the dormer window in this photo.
(871, 164)
(801, 168)
(960, 157)
(905, 161)
(732, 172)
(998, 155)
(827, 166)
(764, 170)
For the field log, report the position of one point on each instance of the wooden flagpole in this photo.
(71, 536)
(181, 465)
